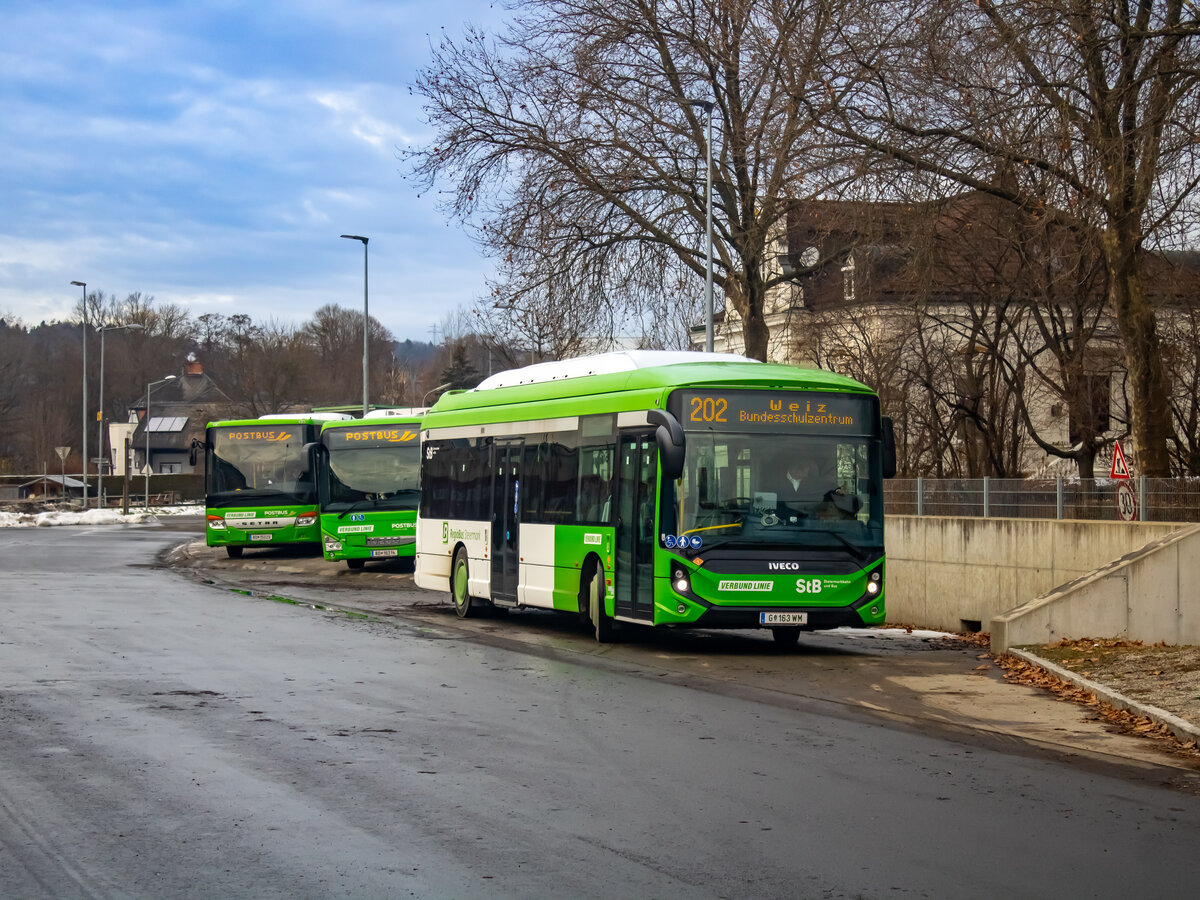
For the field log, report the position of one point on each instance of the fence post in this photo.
(920, 496)
(986, 496)
(1058, 486)
(1143, 509)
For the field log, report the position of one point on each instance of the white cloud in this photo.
(209, 155)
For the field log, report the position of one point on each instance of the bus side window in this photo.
(595, 484)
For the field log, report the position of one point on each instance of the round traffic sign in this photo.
(1127, 505)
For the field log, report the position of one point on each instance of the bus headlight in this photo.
(679, 578)
(305, 520)
(872, 588)
(216, 523)
(332, 546)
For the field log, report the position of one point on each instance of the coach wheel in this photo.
(601, 622)
(464, 604)
(234, 552)
(786, 635)
(356, 563)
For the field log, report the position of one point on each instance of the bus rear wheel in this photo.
(355, 563)
(464, 604)
(234, 552)
(603, 625)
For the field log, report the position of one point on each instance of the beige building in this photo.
(971, 320)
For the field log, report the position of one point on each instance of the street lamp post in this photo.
(146, 468)
(440, 387)
(83, 284)
(366, 319)
(132, 326)
(707, 106)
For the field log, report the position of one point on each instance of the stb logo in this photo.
(445, 532)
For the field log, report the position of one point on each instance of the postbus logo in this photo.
(391, 435)
(268, 436)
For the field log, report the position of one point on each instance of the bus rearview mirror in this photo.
(889, 447)
(669, 437)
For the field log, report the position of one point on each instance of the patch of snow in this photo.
(889, 633)
(137, 516)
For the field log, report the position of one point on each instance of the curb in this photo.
(1181, 728)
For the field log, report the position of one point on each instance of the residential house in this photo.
(179, 411)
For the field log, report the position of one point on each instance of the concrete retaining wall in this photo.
(1151, 595)
(947, 571)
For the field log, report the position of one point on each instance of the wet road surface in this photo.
(164, 737)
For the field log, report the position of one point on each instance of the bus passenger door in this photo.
(637, 476)
(506, 523)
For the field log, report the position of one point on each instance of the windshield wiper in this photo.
(858, 552)
(356, 504)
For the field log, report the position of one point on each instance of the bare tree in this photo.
(575, 143)
(1087, 106)
(336, 335)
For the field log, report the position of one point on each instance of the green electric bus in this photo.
(660, 488)
(368, 486)
(259, 481)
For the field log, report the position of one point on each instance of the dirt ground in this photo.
(1167, 677)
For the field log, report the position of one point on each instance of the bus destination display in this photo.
(799, 411)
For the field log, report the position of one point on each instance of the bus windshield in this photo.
(749, 489)
(254, 465)
(387, 476)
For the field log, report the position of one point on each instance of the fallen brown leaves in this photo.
(1022, 672)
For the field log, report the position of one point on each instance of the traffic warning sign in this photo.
(1119, 467)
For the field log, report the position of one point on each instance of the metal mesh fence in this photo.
(1141, 499)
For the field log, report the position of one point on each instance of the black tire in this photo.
(355, 564)
(464, 604)
(234, 552)
(603, 626)
(786, 635)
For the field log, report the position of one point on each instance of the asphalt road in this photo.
(163, 737)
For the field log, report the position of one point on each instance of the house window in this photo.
(848, 279)
(171, 468)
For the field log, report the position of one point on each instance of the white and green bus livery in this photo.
(660, 488)
(259, 480)
(368, 486)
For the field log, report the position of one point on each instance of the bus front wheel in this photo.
(234, 552)
(464, 603)
(355, 563)
(786, 635)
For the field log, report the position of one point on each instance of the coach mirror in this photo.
(194, 451)
(889, 448)
(669, 437)
(311, 451)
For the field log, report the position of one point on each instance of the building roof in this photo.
(63, 481)
(970, 244)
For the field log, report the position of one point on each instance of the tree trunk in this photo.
(1086, 462)
(1149, 412)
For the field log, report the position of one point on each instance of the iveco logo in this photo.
(783, 567)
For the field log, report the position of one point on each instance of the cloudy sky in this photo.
(209, 153)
